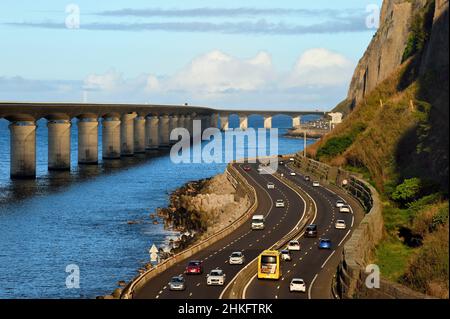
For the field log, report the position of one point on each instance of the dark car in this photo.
(247, 168)
(311, 231)
(307, 178)
(194, 268)
(325, 244)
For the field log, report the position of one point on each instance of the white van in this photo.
(258, 222)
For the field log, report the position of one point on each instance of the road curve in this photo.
(279, 222)
(310, 263)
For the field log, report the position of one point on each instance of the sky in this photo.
(260, 54)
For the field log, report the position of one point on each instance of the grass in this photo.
(392, 256)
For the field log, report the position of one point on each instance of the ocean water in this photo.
(81, 217)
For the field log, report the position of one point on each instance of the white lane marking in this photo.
(198, 285)
(329, 257)
(311, 285)
(247, 285)
(296, 226)
(353, 220)
(190, 295)
(348, 233)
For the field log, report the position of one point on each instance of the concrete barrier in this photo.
(240, 183)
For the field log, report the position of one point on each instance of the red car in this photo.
(194, 268)
(247, 168)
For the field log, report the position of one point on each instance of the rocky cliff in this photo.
(386, 51)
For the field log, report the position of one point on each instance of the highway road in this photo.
(310, 262)
(279, 222)
(315, 266)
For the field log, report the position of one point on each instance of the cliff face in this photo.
(386, 51)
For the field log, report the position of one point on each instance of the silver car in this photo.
(237, 258)
(177, 283)
(215, 277)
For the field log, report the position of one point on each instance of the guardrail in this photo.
(139, 281)
(358, 249)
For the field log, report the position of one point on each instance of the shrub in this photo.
(408, 191)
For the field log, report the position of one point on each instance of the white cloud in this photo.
(320, 68)
(217, 73)
(319, 79)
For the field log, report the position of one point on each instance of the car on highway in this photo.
(215, 277)
(316, 184)
(236, 258)
(340, 224)
(279, 203)
(339, 203)
(247, 168)
(293, 245)
(307, 178)
(194, 267)
(260, 169)
(344, 209)
(293, 174)
(177, 283)
(258, 222)
(281, 163)
(292, 159)
(297, 285)
(325, 244)
(311, 231)
(270, 185)
(286, 255)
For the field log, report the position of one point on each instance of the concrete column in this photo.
(224, 124)
(152, 133)
(268, 122)
(215, 120)
(173, 124)
(23, 149)
(188, 123)
(296, 121)
(139, 134)
(164, 132)
(111, 138)
(127, 134)
(206, 122)
(59, 144)
(88, 141)
(243, 122)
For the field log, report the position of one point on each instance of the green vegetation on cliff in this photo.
(397, 136)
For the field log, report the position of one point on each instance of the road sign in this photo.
(153, 251)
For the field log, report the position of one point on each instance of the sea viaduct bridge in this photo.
(127, 129)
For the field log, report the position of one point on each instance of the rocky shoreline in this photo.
(196, 210)
(310, 133)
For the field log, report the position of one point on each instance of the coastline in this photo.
(195, 211)
(298, 133)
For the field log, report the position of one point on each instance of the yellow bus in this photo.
(269, 265)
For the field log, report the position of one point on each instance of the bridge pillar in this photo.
(139, 134)
(296, 121)
(164, 126)
(188, 123)
(22, 149)
(111, 138)
(173, 124)
(206, 122)
(88, 141)
(215, 120)
(127, 134)
(152, 133)
(268, 122)
(59, 144)
(243, 122)
(224, 124)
